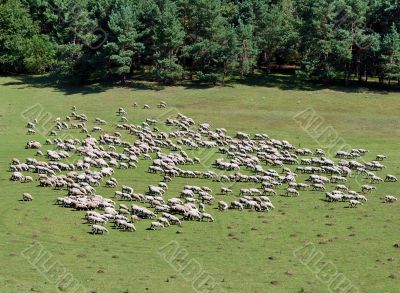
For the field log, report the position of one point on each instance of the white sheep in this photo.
(390, 198)
(206, 216)
(156, 226)
(27, 197)
(222, 206)
(97, 229)
(354, 203)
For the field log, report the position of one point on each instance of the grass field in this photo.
(240, 251)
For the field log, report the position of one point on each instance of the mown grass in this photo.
(242, 251)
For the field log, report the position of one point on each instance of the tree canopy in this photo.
(207, 40)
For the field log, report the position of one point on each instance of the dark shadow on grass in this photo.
(282, 81)
(43, 81)
(291, 82)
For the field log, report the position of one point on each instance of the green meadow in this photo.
(242, 251)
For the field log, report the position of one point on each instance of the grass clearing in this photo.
(242, 251)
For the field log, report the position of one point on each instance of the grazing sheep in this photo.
(97, 229)
(226, 191)
(222, 206)
(367, 188)
(236, 205)
(27, 197)
(354, 203)
(26, 179)
(206, 216)
(318, 186)
(269, 191)
(390, 198)
(376, 179)
(291, 192)
(380, 157)
(127, 189)
(175, 221)
(341, 187)
(166, 151)
(164, 221)
(390, 178)
(156, 226)
(16, 176)
(129, 227)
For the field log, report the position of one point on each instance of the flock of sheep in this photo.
(266, 162)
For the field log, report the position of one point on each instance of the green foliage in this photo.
(169, 70)
(209, 40)
(391, 54)
(19, 42)
(39, 54)
(168, 39)
(122, 44)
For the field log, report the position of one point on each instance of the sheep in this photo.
(96, 219)
(354, 203)
(225, 190)
(16, 176)
(244, 191)
(360, 197)
(390, 178)
(187, 193)
(127, 189)
(341, 187)
(134, 218)
(222, 206)
(367, 188)
(380, 157)
(111, 183)
(236, 205)
(174, 220)
(254, 191)
(97, 229)
(376, 179)
(335, 179)
(30, 125)
(206, 216)
(156, 226)
(390, 198)
(33, 145)
(164, 221)
(302, 186)
(27, 197)
(163, 185)
(291, 192)
(317, 186)
(192, 215)
(241, 151)
(129, 227)
(26, 179)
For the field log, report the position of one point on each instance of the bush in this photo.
(169, 71)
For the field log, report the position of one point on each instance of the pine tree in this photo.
(248, 50)
(274, 27)
(391, 55)
(122, 44)
(168, 39)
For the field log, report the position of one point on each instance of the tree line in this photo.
(206, 40)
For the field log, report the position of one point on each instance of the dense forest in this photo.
(205, 40)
